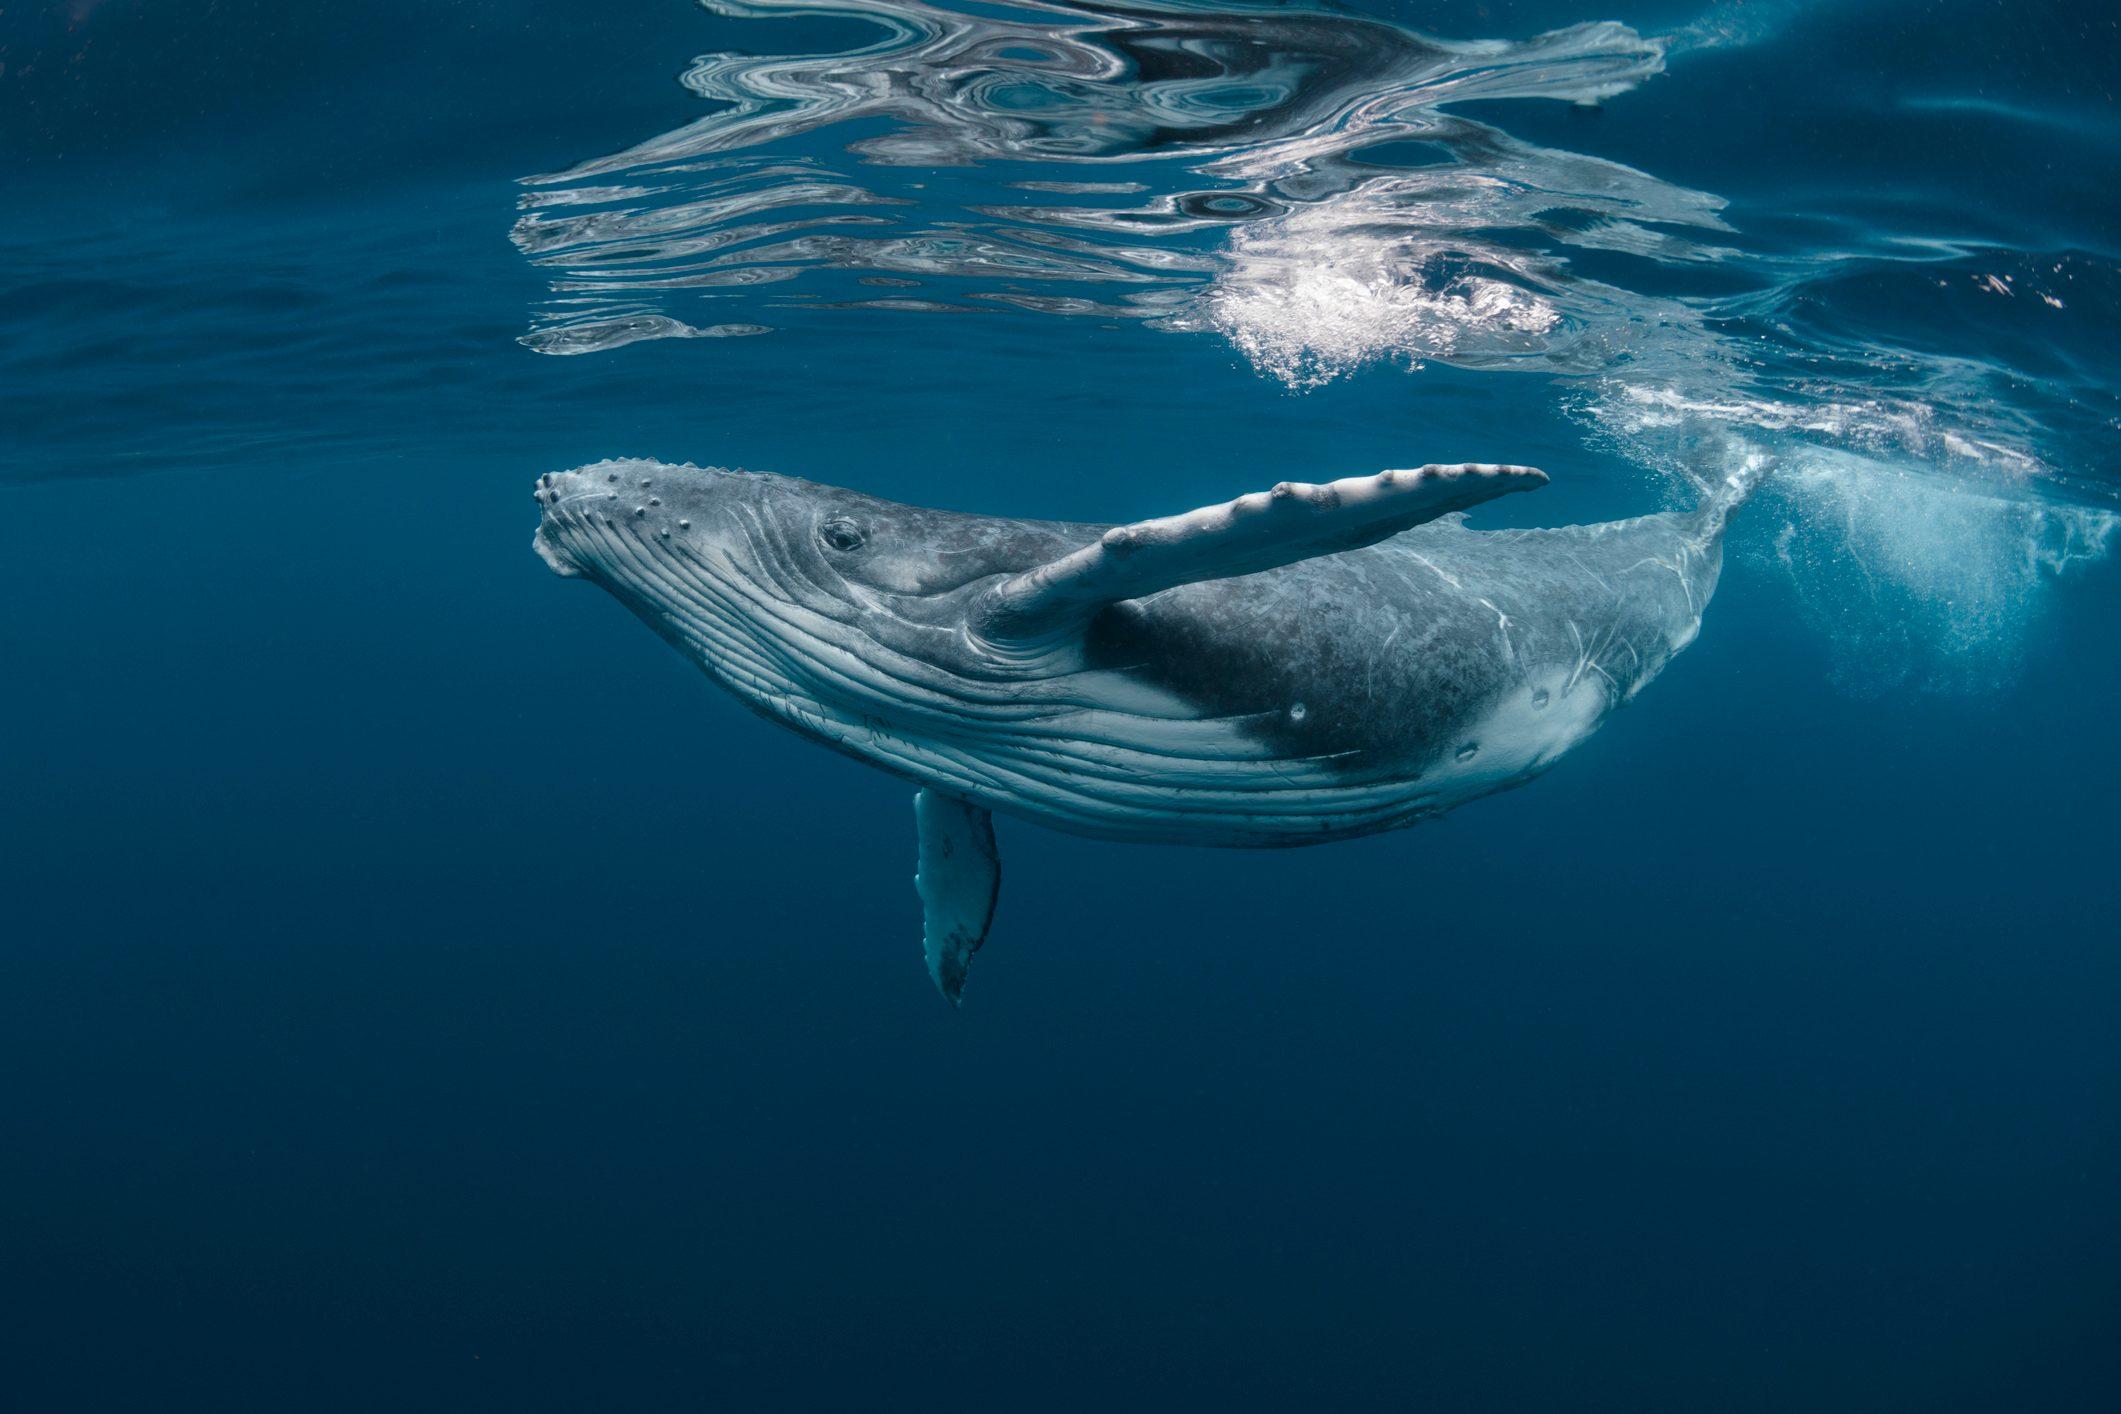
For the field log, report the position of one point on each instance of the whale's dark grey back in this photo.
(1380, 655)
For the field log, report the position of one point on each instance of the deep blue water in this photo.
(419, 989)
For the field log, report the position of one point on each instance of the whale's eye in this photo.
(841, 534)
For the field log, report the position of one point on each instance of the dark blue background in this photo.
(419, 989)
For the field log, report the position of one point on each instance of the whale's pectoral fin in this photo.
(959, 879)
(1294, 521)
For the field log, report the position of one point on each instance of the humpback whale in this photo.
(1298, 665)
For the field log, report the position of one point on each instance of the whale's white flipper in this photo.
(960, 877)
(1294, 521)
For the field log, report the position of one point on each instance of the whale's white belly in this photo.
(1129, 761)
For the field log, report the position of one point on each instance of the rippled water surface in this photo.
(411, 971)
(1325, 192)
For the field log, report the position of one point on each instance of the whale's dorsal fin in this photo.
(960, 877)
(1294, 521)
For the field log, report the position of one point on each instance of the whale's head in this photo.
(650, 532)
(808, 595)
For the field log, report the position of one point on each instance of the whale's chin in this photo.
(554, 555)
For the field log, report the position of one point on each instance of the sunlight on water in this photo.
(1298, 185)
(1232, 135)
(1307, 321)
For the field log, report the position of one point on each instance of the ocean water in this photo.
(420, 989)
